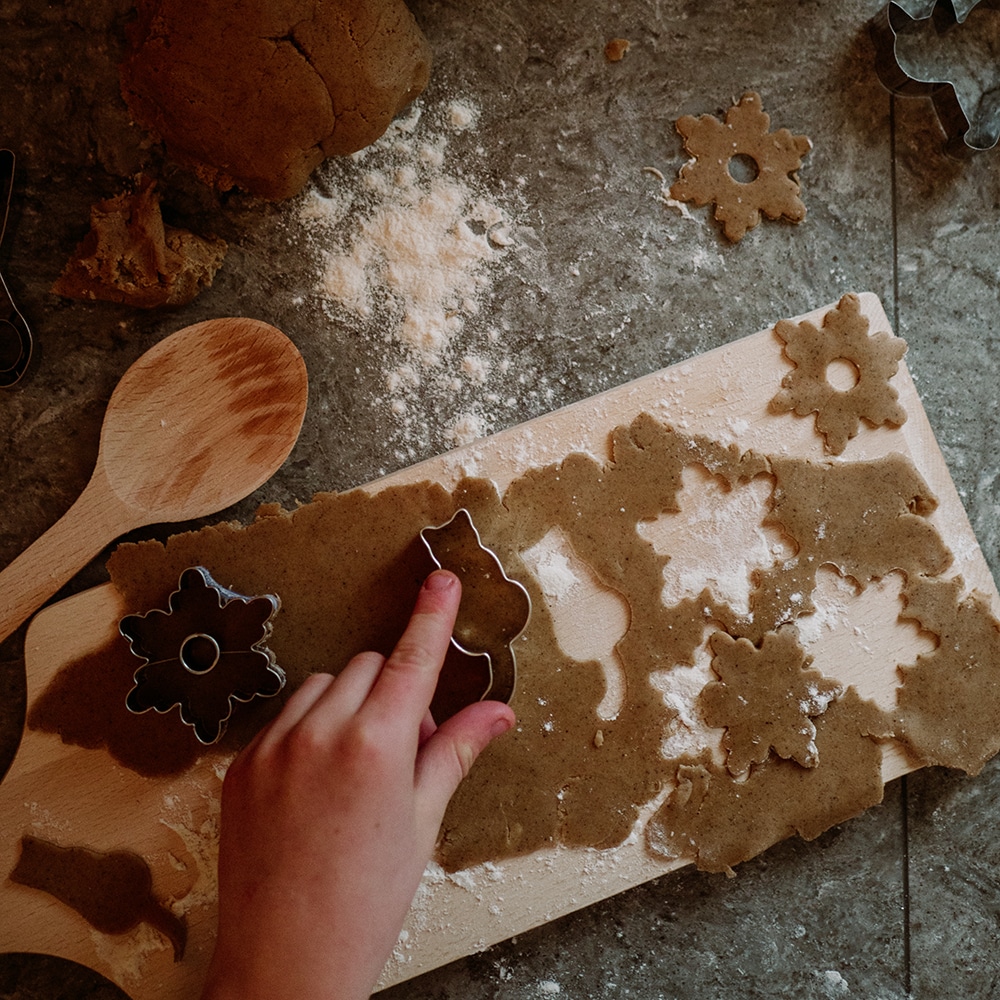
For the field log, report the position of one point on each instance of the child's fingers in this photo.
(355, 682)
(301, 701)
(405, 686)
(428, 727)
(446, 758)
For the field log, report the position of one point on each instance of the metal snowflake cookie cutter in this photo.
(968, 129)
(203, 654)
(495, 609)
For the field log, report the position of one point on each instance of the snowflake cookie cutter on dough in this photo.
(203, 654)
(968, 130)
(770, 159)
(495, 609)
(871, 360)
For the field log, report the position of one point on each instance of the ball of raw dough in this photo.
(255, 93)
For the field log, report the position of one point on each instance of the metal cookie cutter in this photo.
(15, 337)
(495, 609)
(969, 129)
(204, 654)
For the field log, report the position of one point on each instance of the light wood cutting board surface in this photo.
(82, 797)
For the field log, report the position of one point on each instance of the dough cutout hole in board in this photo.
(716, 521)
(589, 619)
(856, 634)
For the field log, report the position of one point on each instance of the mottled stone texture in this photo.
(604, 283)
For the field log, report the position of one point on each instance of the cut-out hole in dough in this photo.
(842, 374)
(589, 619)
(840, 634)
(717, 539)
(743, 168)
(688, 733)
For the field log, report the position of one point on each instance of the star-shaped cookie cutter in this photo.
(495, 609)
(203, 654)
(968, 130)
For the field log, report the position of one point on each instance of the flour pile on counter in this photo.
(406, 251)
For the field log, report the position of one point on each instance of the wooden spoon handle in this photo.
(96, 519)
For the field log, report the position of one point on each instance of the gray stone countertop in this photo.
(589, 280)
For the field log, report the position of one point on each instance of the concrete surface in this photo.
(592, 282)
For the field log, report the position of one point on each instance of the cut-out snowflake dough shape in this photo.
(871, 361)
(741, 144)
(765, 698)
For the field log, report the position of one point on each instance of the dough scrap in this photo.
(706, 178)
(256, 93)
(130, 256)
(959, 682)
(351, 565)
(616, 48)
(718, 822)
(807, 389)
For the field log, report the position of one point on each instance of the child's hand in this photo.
(330, 815)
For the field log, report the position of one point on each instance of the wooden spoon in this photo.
(196, 424)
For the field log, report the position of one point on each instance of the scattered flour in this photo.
(833, 983)
(407, 244)
(550, 563)
(462, 115)
(127, 955)
(200, 837)
(418, 246)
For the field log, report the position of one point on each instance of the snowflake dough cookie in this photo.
(771, 157)
(872, 360)
(766, 698)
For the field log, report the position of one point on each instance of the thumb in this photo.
(448, 755)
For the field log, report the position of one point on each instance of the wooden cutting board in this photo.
(75, 796)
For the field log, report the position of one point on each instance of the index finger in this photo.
(406, 684)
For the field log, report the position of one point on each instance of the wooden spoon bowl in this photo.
(197, 423)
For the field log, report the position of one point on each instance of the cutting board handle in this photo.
(94, 520)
